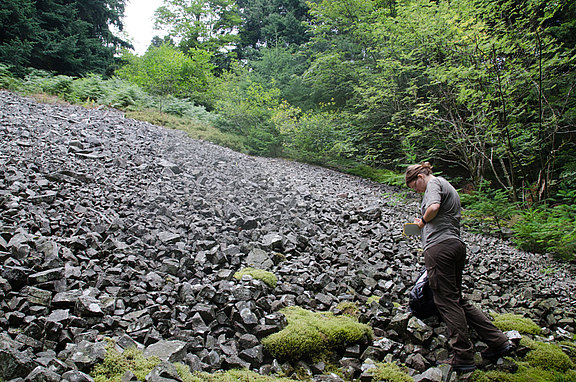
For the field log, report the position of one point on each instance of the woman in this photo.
(445, 256)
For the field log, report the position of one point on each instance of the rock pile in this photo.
(114, 228)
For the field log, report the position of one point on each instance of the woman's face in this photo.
(418, 184)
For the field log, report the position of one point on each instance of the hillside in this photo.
(115, 228)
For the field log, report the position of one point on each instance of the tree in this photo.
(206, 25)
(19, 29)
(65, 36)
(272, 24)
(165, 70)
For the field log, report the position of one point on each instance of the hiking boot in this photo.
(495, 353)
(459, 365)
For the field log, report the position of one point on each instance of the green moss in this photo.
(549, 357)
(372, 299)
(116, 364)
(389, 372)
(349, 308)
(544, 362)
(522, 324)
(235, 375)
(524, 374)
(569, 348)
(259, 274)
(309, 334)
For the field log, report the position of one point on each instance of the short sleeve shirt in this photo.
(446, 224)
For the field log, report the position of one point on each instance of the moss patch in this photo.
(524, 374)
(310, 334)
(259, 274)
(390, 372)
(348, 308)
(116, 364)
(543, 363)
(235, 376)
(549, 357)
(522, 324)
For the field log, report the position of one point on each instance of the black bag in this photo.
(421, 298)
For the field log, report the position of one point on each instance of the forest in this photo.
(484, 90)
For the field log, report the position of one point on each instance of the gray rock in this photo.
(86, 354)
(172, 351)
(42, 374)
(431, 375)
(164, 372)
(76, 376)
(258, 258)
(15, 364)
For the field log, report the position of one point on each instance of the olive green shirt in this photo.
(446, 224)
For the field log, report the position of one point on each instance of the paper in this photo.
(411, 229)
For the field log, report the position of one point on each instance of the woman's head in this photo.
(413, 171)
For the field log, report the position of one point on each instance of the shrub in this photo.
(259, 274)
(548, 229)
(309, 334)
(488, 211)
(7, 79)
(90, 88)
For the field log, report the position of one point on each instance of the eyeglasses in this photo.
(412, 183)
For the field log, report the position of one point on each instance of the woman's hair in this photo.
(413, 171)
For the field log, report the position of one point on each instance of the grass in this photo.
(195, 129)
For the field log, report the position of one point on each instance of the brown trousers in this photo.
(445, 264)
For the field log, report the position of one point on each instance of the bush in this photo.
(7, 79)
(87, 89)
(544, 229)
(488, 211)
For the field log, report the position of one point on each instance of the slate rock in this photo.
(15, 364)
(172, 351)
(164, 372)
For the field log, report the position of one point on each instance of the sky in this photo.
(139, 24)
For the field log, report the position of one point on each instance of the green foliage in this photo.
(7, 79)
(389, 372)
(313, 137)
(487, 210)
(548, 229)
(245, 108)
(378, 175)
(165, 70)
(311, 334)
(71, 37)
(205, 26)
(116, 364)
(524, 374)
(509, 321)
(272, 23)
(268, 278)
